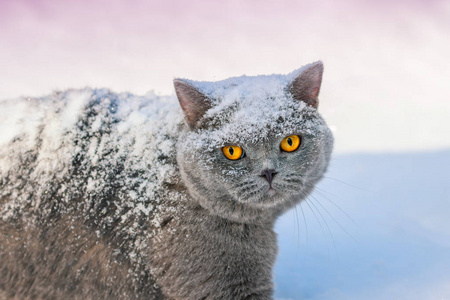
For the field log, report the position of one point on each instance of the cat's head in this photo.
(253, 146)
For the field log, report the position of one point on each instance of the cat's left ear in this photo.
(306, 86)
(193, 102)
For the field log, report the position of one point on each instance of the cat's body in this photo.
(107, 196)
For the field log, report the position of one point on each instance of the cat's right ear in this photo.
(306, 86)
(193, 102)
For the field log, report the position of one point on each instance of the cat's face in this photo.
(255, 150)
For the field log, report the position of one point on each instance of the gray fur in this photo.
(165, 215)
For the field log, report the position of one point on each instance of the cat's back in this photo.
(79, 142)
(81, 174)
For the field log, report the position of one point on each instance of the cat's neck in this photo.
(231, 215)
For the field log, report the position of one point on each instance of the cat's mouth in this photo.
(271, 191)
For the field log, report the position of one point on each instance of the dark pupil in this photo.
(289, 141)
(231, 150)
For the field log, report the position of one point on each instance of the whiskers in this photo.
(345, 183)
(291, 181)
(291, 187)
(316, 208)
(247, 189)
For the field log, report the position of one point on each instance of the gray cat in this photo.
(114, 196)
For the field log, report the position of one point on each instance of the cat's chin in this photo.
(274, 198)
(271, 197)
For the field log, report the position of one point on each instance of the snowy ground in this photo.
(392, 242)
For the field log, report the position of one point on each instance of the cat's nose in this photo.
(269, 174)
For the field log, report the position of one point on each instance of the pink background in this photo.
(387, 63)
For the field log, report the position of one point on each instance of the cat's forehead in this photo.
(257, 123)
(243, 88)
(248, 98)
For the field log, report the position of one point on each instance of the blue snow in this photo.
(377, 227)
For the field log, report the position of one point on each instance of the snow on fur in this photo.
(88, 149)
(85, 144)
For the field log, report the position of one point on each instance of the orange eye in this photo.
(290, 143)
(232, 152)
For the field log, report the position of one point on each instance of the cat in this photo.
(116, 196)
